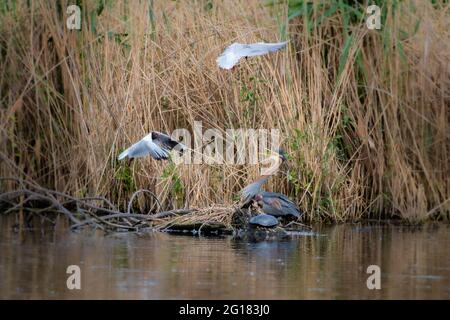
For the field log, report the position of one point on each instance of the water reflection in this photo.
(332, 263)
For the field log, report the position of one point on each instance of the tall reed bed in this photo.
(363, 113)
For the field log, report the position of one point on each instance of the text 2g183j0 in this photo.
(251, 309)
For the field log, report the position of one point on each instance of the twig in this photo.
(299, 224)
(130, 203)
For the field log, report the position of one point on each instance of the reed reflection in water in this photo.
(414, 261)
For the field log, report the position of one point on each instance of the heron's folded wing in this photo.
(274, 202)
(286, 204)
(289, 206)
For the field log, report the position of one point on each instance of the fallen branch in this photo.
(84, 211)
(99, 212)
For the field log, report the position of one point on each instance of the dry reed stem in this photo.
(372, 141)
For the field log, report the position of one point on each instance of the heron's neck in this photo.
(263, 178)
(270, 172)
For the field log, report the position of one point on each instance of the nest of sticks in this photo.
(99, 212)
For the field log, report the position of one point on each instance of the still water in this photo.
(327, 264)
